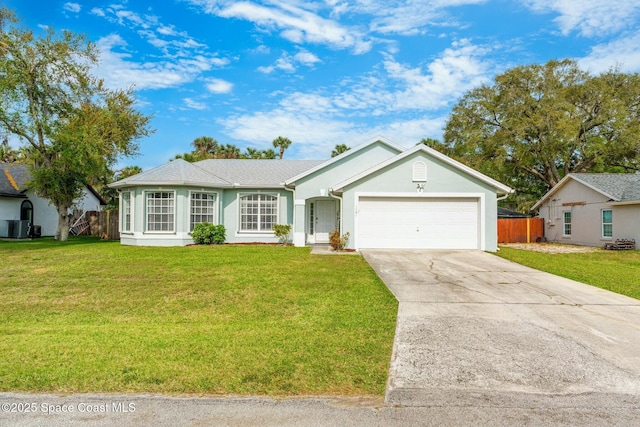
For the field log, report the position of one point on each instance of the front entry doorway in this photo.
(325, 220)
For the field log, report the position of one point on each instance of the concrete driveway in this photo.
(476, 330)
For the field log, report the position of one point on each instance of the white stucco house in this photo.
(18, 203)
(592, 209)
(383, 195)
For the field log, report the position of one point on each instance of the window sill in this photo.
(160, 232)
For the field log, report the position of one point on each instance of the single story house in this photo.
(592, 208)
(383, 195)
(18, 203)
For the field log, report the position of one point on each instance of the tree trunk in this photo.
(62, 232)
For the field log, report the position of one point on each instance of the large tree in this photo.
(538, 123)
(75, 128)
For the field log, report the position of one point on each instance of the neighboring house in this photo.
(381, 194)
(592, 209)
(19, 203)
(504, 213)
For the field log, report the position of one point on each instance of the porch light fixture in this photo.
(420, 187)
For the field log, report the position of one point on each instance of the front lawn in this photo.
(617, 271)
(92, 316)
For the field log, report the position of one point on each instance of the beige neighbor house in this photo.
(592, 209)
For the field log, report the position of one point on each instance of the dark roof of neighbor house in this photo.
(508, 213)
(14, 178)
(618, 187)
(224, 173)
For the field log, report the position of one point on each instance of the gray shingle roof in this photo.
(221, 173)
(19, 174)
(257, 173)
(176, 172)
(621, 187)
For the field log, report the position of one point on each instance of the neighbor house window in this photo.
(125, 209)
(566, 223)
(203, 208)
(607, 223)
(258, 212)
(161, 209)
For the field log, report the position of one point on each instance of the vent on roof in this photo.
(419, 172)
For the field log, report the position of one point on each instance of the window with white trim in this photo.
(203, 208)
(258, 212)
(161, 210)
(566, 223)
(607, 223)
(125, 211)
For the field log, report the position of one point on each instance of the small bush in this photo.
(206, 233)
(338, 242)
(282, 232)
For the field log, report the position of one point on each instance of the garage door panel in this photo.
(420, 223)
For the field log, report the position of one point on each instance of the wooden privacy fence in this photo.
(104, 224)
(520, 230)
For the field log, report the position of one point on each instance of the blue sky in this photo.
(325, 72)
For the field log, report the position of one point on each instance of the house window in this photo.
(607, 223)
(311, 218)
(566, 223)
(258, 212)
(419, 172)
(203, 208)
(125, 209)
(161, 210)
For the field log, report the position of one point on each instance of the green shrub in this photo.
(206, 233)
(338, 242)
(282, 232)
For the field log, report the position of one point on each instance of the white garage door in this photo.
(418, 223)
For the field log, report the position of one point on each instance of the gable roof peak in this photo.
(350, 152)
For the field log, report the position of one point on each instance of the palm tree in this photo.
(227, 151)
(205, 145)
(340, 148)
(282, 143)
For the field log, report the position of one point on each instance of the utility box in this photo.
(18, 229)
(4, 228)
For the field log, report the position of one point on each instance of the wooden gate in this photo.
(520, 230)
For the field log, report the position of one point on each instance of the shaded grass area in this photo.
(262, 320)
(617, 271)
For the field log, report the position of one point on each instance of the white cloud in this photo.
(288, 63)
(406, 17)
(219, 86)
(419, 98)
(72, 7)
(292, 20)
(590, 18)
(622, 53)
(98, 12)
(119, 70)
(194, 105)
(306, 58)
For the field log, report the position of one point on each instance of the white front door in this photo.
(325, 220)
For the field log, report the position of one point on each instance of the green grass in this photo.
(92, 316)
(617, 271)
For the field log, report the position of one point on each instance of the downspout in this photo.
(293, 219)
